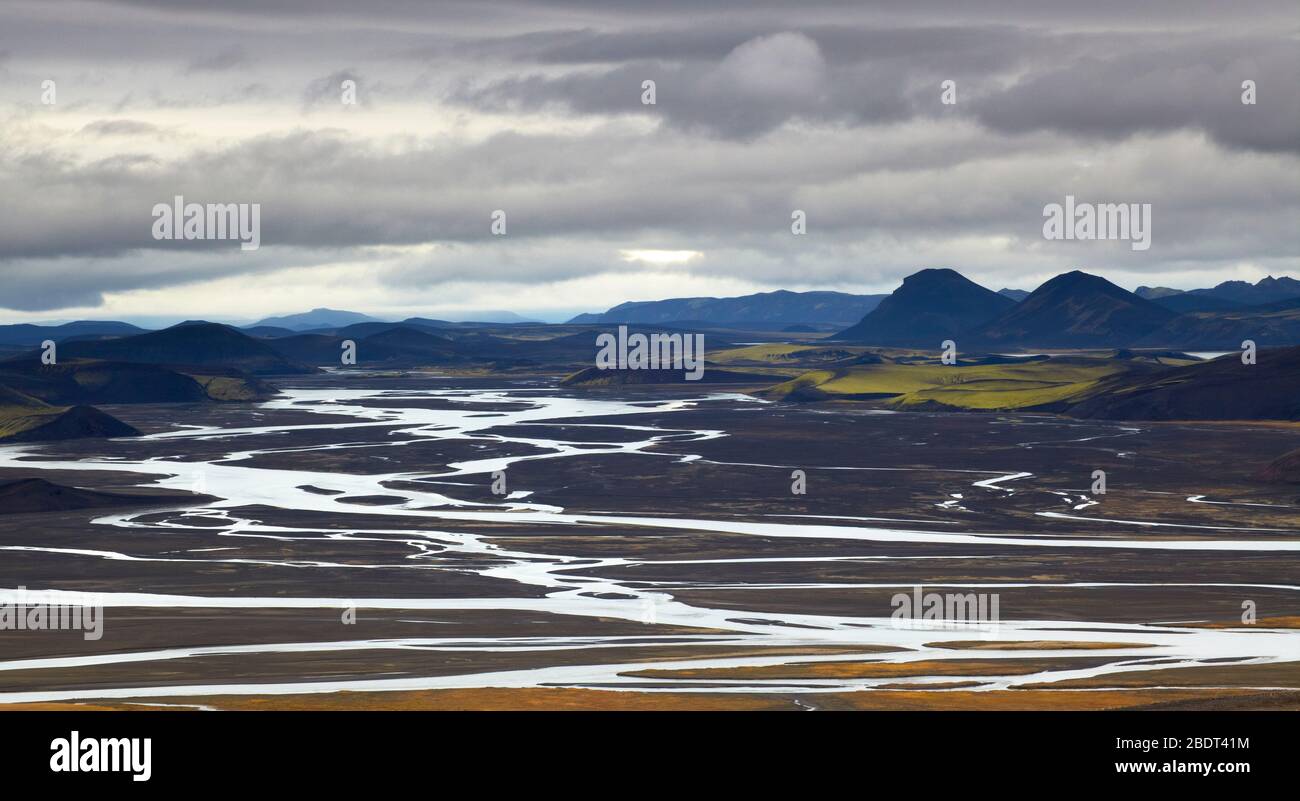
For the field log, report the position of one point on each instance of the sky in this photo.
(835, 109)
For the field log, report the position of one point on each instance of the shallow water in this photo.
(238, 485)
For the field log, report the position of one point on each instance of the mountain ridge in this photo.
(781, 307)
(932, 305)
(1074, 309)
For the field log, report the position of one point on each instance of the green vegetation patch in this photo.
(981, 386)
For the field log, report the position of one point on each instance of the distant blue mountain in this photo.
(316, 318)
(779, 309)
(30, 335)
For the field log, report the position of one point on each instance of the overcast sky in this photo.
(535, 108)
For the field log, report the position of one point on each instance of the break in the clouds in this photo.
(536, 109)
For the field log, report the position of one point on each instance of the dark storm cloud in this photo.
(1011, 80)
(1110, 69)
(984, 47)
(1152, 11)
(224, 59)
(762, 107)
(1197, 86)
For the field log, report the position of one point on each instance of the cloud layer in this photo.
(536, 109)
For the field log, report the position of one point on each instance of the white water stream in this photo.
(237, 484)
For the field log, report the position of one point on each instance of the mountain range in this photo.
(1220, 389)
(1266, 290)
(764, 310)
(322, 319)
(27, 495)
(202, 362)
(316, 318)
(1075, 310)
(779, 311)
(28, 335)
(931, 306)
(195, 343)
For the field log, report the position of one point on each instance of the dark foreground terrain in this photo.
(342, 546)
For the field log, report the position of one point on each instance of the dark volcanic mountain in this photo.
(777, 309)
(931, 306)
(76, 423)
(88, 381)
(377, 344)
(190, 344)
(1222, 389)
(593, 376)
(414, 343)
(27, 495)
(1156, 292)
(80, 381)
(268, 331)
(1269, 326)
(1233, 293)
(1265, 290)
(1015, 294)
(1075, 310)
(31, 336)
(1186, 303)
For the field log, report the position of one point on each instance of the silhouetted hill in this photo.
(189, 344)
(28, 335)
(317, 349)
(1265, 290)
(769, 309)
(385, 344)
(79, 381)
(28, 495)
(426, 322)
(316, 318)
(1015, 294)
(268, 331)
(1185, 303)
(1222, 389)
(77, 422)
(1270, 325)
(1156, 292)
(931, 306)
(1074, 309)
(405, 340)
(593, 376)
(1235, 293)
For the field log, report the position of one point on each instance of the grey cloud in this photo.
(1192, 86)
(121, 128)
(222, 60)
(828, 107)
(328, 190)
(984, 46)
(329, 89)
(82, 281)
(758, 86)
